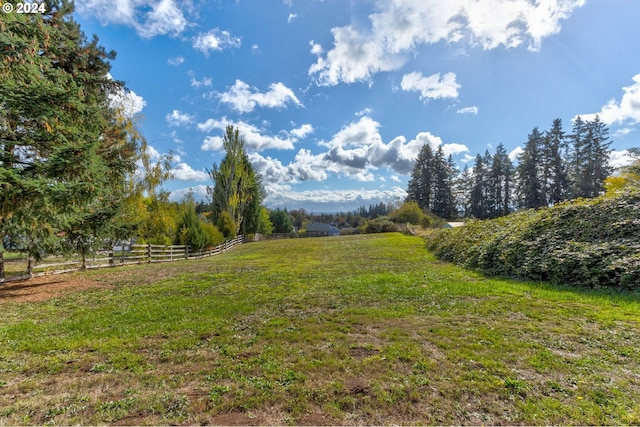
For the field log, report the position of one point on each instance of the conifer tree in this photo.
(500, 183)
(530, 185)
(478, 203)
(556, 180)
(65, 156)
(421, 182)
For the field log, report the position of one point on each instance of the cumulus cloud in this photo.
(126, 101)
(354, 152)
(178, 118)
(149, 18)
(621, 158)
(199, 193)
(468, 110)
(398, 27)
(431, 87)
(291, 17)
(627, 111)
(513, 155)
(254, 137)
(213, 40)
(184, 172)
(244, 99)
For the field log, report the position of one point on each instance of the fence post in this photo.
(1, 264)
(111, 263)
(30, 267)
(186, 252)
(149, 252)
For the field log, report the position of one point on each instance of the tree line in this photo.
(553, 166)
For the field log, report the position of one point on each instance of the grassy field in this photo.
(367, 329)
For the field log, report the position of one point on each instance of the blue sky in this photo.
(334, 98)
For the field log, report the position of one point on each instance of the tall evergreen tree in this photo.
(65, 156)
(500, 183)
(590, 161)
(530, 185)
(556, 179)
(478, 203)
(422, 178)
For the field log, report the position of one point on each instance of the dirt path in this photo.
(45, 287)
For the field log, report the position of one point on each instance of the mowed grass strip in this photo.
(366, 329)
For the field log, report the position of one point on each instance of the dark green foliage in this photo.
(431, 184)
(594, 242)
(226, 225)
(65, 153)
(281, 221)
(189, 230)
(237, 189)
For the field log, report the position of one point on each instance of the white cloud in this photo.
(254, 137)
(244, 99)
(292, 17)
(178, 60)
(302, 131)
(399, 27)
(149, 18)
(199, 193)
(212, 143)
(316, 49)
(126, 101)
(355, 152)
(432, 87)
(178, 118)
(620, 158)
(365, 112)
(468, 110)
(513, 155)
(184, 172)
(206, 81)
(215, 39)
(625, 111)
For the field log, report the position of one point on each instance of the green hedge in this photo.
(585, 242)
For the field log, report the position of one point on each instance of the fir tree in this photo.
(530, 185)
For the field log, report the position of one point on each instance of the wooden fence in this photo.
(12, 269)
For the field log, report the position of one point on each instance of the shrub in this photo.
(593, 242)
(380, 225)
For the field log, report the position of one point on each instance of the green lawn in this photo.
(367, 329)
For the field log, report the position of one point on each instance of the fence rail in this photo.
(13, 269)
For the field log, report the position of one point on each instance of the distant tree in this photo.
(442, 201)
(462, 188)
(530, 180)
(420, 189)
(189, 230)
(500, 183)
(555, 176)
(281, 221)
(237, 189)
(478, 201)
(590, 161)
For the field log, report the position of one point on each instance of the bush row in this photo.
(584, 242)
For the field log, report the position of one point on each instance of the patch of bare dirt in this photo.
(46, 287)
